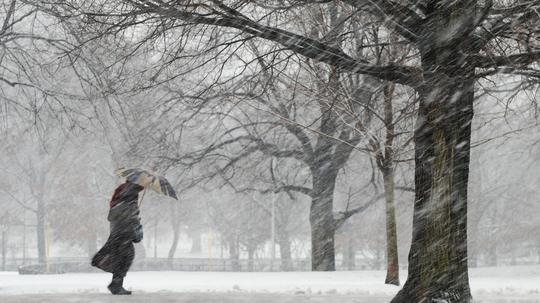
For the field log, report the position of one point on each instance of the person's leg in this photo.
(124, 256)
(116, 287)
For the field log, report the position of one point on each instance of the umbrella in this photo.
(147, 179)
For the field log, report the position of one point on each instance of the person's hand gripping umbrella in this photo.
(147, 179)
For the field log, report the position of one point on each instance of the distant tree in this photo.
(242, 224)
(35, 170)
(78, 213)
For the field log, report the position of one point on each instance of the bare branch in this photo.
(516, 60)
(21, 203)
(302, 45)
(341, 217)
(406, 22)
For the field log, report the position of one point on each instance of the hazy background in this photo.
(70, 116)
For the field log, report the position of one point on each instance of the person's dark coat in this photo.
(118, 252)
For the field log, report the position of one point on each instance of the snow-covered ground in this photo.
(505, 284)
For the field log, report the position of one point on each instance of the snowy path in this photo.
(191, 298)
(511, 284)
(165, 297)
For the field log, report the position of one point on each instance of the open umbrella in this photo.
(147, 179)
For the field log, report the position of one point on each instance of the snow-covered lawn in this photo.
(505, 284)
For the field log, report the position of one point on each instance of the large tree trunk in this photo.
(438, 255)
(284, 242)
(322, 221)
(386, 161)
(392, 262)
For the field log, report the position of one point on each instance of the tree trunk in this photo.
(322, 221)
(155, 237)
(438, 255)
(40, 231)
(285, 250)
(392, 262)
(251, 252)
(492, 254)
(175, 222)
(24, 239)
(234, 254)
(174, 245)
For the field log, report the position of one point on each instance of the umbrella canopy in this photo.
(148, 180)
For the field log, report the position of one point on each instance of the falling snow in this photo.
(322, 151)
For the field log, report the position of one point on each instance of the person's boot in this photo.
(116, 287)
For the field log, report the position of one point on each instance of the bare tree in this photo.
(457, 43)
(36, 169)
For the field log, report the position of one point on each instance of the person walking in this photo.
(118, 252)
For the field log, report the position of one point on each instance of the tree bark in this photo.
(438, 256)
(321, 218)
(384, 157)
(392, 262)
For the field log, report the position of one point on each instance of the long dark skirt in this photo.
(115, 256)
